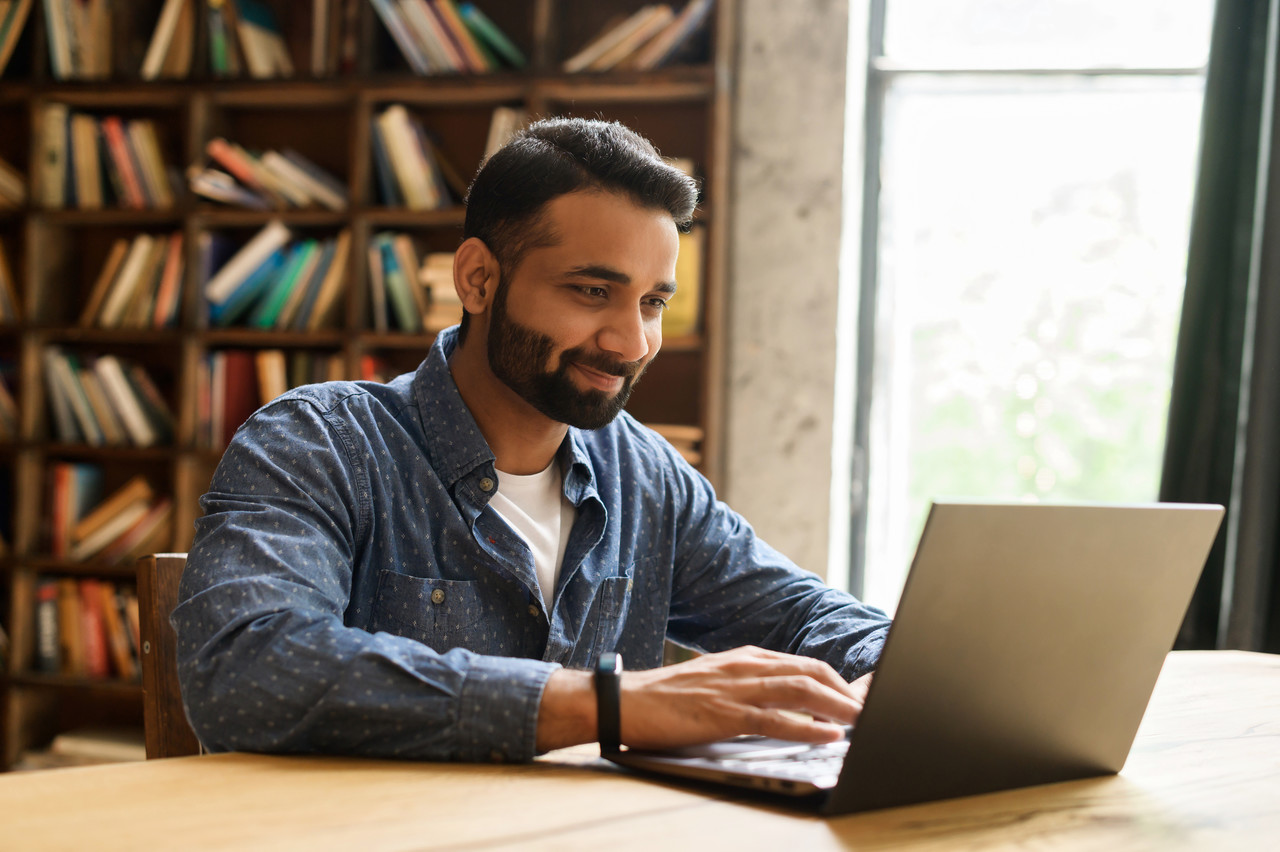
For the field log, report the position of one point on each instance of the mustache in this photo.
(601, 362)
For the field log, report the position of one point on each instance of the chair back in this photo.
(168, 733)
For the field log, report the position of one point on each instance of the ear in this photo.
(475, 275)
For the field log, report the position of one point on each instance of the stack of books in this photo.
(78, 149)
(264, 180)
(84, 525)
(13, 17)
(445, 37)
(139, 285)
(396, 294)
(86, 628)
(13, 186)
(244, 37)
(234, 383)
(444, 308)
(653, 36)
(79, 38)
(407, 164)
(104, 400)
(274, 281)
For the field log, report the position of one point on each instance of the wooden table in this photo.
(1204, 774)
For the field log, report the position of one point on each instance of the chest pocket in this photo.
(610, 613)
(441, 614)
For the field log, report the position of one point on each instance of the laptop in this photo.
(1025, 648)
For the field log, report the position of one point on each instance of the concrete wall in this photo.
(785, 250)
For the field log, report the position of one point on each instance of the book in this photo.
(47, 658)
(667, 44)
(611, 37)
(237, 392)
(325, 192)
(115, 633)
(126, 282)
(397, 284)
(102, 285)
(389, 14)
(135, 492)
(656, 22)
(127, 405)
(268, 307)
(272, 237)
(217, 185)
(144, 144)
(97, 661)
(428, 33)
(504, 122)
(61, 379)
(113, 434)
(491, 35)
(305, 286)
(327, 301)
(273, 374)
(169, 294)
(162, 38)
(84, 160)
(11, 29)
(181, 53)
(296, 316)
(56, 26)
(265, 53)
(246, 295)
(113, 131)
(152, 401)
(243, 167)
(13, 186)
(324, 183)
(150, 533)
(141, 303)
(51, 174)
(71, 654)
(473, 53)
(377, 288)
(684, 310)
(408, 161)
(407, 259)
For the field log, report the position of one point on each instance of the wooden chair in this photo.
(168, 734)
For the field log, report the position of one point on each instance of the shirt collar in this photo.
(454, 444)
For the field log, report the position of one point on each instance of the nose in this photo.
(627, 334)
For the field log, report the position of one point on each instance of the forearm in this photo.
(291, 682)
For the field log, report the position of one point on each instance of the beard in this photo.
(519, 356)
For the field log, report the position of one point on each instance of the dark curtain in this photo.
(1223, 443)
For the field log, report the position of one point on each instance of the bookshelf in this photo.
(57, 254)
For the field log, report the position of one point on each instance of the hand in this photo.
(743, 691)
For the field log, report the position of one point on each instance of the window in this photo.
(1024, 256)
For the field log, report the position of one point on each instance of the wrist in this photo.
(567, 711)
(608, 689)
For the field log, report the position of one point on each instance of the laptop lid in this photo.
(1026, 645)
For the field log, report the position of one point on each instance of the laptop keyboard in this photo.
(819, 764)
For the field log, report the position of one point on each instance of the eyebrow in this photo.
(606, 273)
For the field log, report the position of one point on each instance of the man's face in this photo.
(577, 324)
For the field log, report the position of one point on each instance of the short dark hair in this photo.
(556, 156)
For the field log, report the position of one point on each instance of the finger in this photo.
(781, 725)
(796, 693)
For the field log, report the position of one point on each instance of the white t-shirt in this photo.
(536, 508)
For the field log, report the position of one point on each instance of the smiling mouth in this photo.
(600, 381)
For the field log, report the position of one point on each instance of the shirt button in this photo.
(486, 484)
(437, 597)
(533, 610)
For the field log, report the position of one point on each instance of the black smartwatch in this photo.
(608, 700)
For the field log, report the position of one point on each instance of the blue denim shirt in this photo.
(349, 591)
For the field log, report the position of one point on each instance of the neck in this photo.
(523, 439)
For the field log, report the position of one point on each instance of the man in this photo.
(429, 568)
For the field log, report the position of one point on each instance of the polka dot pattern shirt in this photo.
(349, 591)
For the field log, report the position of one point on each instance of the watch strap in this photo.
(608, 681)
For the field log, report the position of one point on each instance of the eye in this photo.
(593, 292)
(657, 303)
